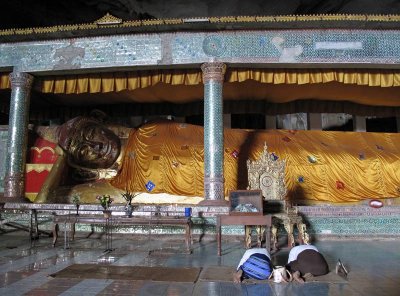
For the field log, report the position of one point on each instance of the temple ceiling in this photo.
(31, 13)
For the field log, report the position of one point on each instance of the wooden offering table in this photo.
(115, 221)
(245, 220)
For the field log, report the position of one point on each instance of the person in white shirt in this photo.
(305, 259)
(255, 264)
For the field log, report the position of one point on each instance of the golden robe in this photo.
(324, 166)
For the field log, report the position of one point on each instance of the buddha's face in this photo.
(94, 146)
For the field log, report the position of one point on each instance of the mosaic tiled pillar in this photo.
(17, 136)
(3, 153)
(213, 77)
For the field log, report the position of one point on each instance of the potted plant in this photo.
(105, 201)
(76, 200)
(129, 196)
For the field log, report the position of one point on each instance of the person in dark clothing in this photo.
(306, 259)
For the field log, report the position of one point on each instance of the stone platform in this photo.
(355, 221)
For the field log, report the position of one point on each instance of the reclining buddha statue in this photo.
(165, 161)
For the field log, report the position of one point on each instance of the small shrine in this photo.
(267, 173)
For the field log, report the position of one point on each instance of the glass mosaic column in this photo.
(213, 77)
(14, 189)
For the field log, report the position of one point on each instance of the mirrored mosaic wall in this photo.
(168, 49)
(322, 221)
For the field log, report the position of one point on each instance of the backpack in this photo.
(258, 267)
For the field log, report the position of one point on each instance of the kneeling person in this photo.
(255, 264)
(305, 259)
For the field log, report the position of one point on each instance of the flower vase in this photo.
(128, 210)
(107, 214)
(77, 210)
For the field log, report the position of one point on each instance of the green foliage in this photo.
(76, 199)
(105, 200)
(129, 196)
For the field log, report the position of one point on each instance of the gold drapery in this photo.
(365, 87)
(5, 81)
(119, 81)
(321, 166)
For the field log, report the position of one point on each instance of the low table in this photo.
(185, 222)
(245, 220)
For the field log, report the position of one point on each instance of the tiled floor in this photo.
(24, 268)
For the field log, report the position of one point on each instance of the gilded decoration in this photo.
(267, 174)
(213, 71)
(108, 20)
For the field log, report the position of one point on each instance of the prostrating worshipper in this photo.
(306, 259)
(255, 264)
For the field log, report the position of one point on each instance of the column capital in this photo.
(213, 71)
(21, 79)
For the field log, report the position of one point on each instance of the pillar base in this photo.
(4, 200)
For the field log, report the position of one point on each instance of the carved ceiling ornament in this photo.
(108, 19)
(267, 174)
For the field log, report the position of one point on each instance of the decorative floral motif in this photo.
(235, 154)
(213, 45)
(150, 186)
(340, 185)
(361, 155)
(312, 159)
(105, 200)
(274, 157)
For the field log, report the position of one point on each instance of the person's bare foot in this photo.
(237, 276)
(297, 277)
(308, 277)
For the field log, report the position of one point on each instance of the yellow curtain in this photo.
(321, 165)
(110, 82)
(5, 81)
(119, 81)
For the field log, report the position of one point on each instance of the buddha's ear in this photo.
(99, 115)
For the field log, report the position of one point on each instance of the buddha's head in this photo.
(88, 143)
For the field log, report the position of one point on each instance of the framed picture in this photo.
(246, 202)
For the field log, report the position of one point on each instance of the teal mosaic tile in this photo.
(3, 153)
(342, 226)
(355, 226)
(193, 48)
